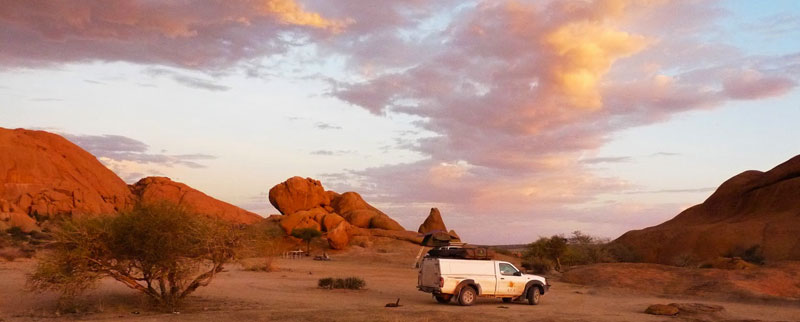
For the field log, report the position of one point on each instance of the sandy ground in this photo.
(291, 295)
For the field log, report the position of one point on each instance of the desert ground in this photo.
(291, 294)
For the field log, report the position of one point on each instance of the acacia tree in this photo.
(307, 235)
(161, 250)
(547, 249)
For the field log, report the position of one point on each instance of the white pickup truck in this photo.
(468, 279)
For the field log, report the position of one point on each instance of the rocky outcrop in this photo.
(756, 211)
(43, 176)
(361, 214)
(434, 222)
(298, 220)
(159, 189)
(304, 203)
(296, 194)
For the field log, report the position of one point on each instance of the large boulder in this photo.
(339, 236)
(755, 211)
(296, 194)
(159, 189)
(298, 220)
(434, 222)
(44, 175)
(330, 220)
(361, 214)
(382, 221)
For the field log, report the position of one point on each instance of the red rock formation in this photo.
(339, 235)
(296, 194)
(752, 208)
(156, 189)
(432, 223)
(359, 213)
(44, 175)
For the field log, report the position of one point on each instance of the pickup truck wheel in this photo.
(507, 300)
(468, 296)
(534, 296)
(444, 298)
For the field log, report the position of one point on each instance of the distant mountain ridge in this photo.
(752, 210)
(43, 175)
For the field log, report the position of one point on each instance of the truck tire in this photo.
(507, 300)
(443, 298)
(534, 296)
(467, 296)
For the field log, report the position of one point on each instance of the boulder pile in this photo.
(304, 203)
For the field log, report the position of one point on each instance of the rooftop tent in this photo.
(437, 238)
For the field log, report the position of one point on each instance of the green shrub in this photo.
(538, 265)
(307, 235)
(352, 283)
(549, 249)
(161, 250)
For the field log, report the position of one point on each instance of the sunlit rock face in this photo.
(751, 209)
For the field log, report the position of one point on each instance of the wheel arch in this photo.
(537, 284)
(465, 283)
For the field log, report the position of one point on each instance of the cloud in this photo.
(200, 34)
(689, 190)
(119, 148)
(606, 160)
(331, 152)
(190, 81)
(664, 154)
(327, 126)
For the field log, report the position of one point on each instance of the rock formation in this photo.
(305, 203)
(155, 189)
(43, 176)
(434, 222)
(753, 210)
(296, 194)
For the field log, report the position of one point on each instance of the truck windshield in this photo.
(507, 269)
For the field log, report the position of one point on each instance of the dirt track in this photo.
(291, 295)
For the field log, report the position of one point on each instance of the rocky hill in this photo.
(43, 175)
(755, 211)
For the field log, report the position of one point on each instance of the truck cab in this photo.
(467, 279)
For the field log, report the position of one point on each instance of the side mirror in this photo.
(517, 273)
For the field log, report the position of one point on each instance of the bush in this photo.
(549, 249)
(538, 265)
(352, 283)
(160, 250)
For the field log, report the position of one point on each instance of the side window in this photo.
(506, 269)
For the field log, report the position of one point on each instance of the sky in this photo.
(517, 119)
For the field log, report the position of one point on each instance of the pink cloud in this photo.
(193, 34)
